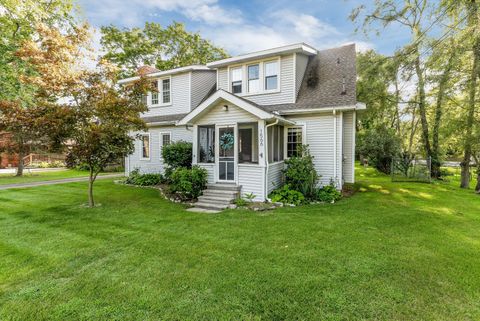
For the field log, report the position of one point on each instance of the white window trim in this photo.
(160, 93)
(261, 64)
(160, 136)
(149, 147)
(285, 137)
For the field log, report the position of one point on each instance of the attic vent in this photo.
(344, 88)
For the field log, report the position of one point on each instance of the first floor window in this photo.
(206, 144)
(236, 80)
(166, 91)
(145, 140)
(271, 75)
(155, 93)
(247, 143)
(275, 143)
(165, 139)
(253, 78)
(294, 141)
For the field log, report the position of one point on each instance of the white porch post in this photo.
(194, 145)
(262, 155)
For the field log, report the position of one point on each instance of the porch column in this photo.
(261, 143)
(194, 145)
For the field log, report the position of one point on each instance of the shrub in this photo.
(301, 175)
(188, 183)
(135, 178)
(240, 202)
(177, 154)
(287, 195)
(329, 194)
(380, 146)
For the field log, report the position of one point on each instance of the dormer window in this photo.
(155, 93)
(237, 80)
(271, 75)
(253, 78)
(162, 96)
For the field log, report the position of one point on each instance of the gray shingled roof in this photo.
(165, 118)
(323, 83)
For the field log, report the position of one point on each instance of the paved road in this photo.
(56, 181)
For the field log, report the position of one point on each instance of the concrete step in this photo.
(215, 199)
(223, 187)
(220, 193)
(211, 206)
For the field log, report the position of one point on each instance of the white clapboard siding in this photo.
(301, 62)
(320, 138)
(217, 115)
(287, 86)
(275, 176)
(155, 163)
(222, 79)
(348, 147)
(251, 179)
(180, 98)
(339, 149)
(202, 83)
(210, 171)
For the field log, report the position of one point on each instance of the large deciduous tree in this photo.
(163, 48)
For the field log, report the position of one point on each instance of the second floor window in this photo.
(237, 80)
(253, 78)
(271, 75)
(155, 93)
(166, 91)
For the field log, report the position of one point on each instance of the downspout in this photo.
(335, 146)
(266, 158)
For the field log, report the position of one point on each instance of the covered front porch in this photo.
(239, 144)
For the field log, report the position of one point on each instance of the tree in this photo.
(380, 145)
(411, 15)
(163, 48)
(30, 114)
(104, 118)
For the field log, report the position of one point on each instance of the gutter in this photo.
(266, 156)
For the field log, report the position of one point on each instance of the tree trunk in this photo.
(467, 156)
(422, 107)
(438, 117)
(20, 163)
(91, 179)
(477, 188)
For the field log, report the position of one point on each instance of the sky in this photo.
(243, 26)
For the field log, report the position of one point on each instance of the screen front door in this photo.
(226, 155)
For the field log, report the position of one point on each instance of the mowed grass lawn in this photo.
(394, 251)
(35, 176)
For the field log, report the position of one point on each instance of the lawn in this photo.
(393, 251)
(42, 176)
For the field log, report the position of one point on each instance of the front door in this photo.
(226, 153)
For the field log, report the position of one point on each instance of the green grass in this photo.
(6, 179)
(394, 251)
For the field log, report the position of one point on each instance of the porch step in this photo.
(218, 197)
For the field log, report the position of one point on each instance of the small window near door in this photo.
(248, 143)
(294, 141)
(145, 141)
(165, 139)
(206, 144)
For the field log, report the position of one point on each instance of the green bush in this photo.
(135, 178)
(301, 175)
(188, 183)
(177, 154)
(287, 195)
(240, 202)
(329, 194)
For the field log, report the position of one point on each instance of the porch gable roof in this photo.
(242, 103)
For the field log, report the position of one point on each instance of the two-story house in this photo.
(246, 114)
